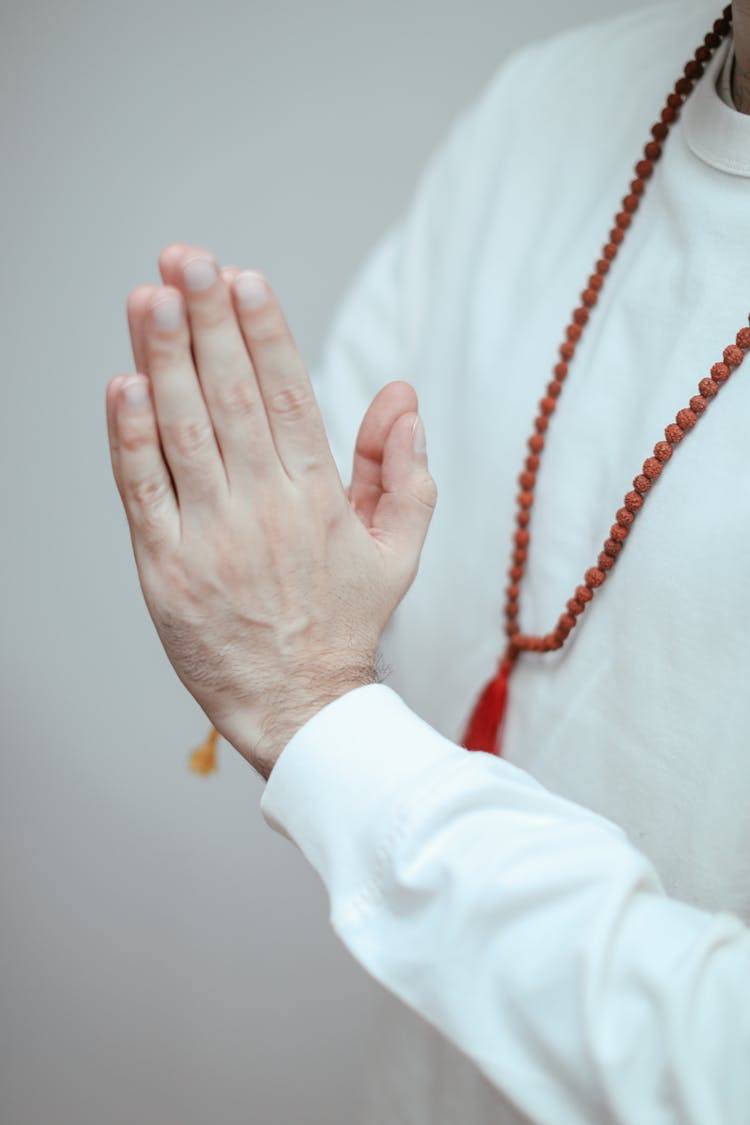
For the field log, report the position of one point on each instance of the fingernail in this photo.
(136, 395)
(199, 274)
(418, 435)
(167, 314)
(251, 289)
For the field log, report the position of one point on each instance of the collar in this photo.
(717, 132)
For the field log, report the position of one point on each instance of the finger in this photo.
(366, 487)
(403, 514)
(142, 477)
(293, 415)
(224, 369)
(172, 256)
(113, 436)
(138, 303)
(229, 273)
(186, 430)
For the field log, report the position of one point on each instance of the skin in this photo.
(269, 584)
(741, 76)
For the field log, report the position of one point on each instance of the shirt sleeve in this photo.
(525, 928)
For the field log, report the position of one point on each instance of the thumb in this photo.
(402, 516)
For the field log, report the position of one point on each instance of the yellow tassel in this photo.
(203, 759)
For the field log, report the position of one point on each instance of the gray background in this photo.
(164, 956)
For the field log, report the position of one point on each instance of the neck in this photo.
(741, 76)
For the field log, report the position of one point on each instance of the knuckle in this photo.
(166, 349)
(237, 399)
(149, 493)
(293, 403)
(190, 437)
(133, 438)
(427, 493)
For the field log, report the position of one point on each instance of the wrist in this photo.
(261, 737)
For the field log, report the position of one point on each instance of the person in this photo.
(562, 929)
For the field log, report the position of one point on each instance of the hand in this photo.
(268, 584)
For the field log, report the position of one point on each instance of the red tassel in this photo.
(484, 724)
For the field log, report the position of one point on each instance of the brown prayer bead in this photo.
(685, 419)
(733, 356)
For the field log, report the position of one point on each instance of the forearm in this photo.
(524, 927)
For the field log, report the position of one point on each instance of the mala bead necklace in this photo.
(483, 726)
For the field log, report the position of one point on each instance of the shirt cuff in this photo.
(339, 785)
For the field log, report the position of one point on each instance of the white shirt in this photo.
(528, 932)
